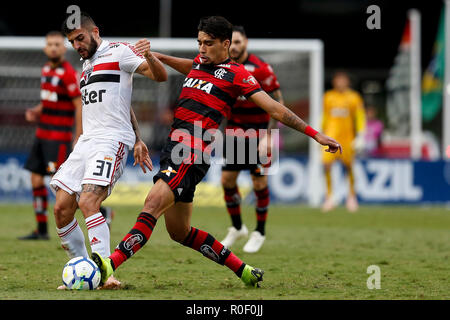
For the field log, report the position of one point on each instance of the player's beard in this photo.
(237, 56)
(92, 48)
(55, 60)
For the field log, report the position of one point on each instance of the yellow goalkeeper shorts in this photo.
(346, 157)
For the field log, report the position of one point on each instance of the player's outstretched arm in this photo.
(277, 96)
(153, 68)
(140, 151)
(279, 112)
(181, 65)
(265, 143)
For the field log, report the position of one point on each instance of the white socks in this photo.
(98, 233)
(72, 239)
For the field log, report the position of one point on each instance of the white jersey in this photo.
(106, 87)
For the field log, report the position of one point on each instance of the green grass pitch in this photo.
(307, 255)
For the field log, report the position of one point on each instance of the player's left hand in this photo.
(333, 145)
(265, 145)
(265, 149)
(143, 47)
(358, 143)
(142, 156)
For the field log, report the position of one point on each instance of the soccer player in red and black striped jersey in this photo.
(212, 84)
(246, 115)
(56, 115)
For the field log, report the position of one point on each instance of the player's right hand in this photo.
(31, 115)
(143, 47)
(333, 145)
(142, 156)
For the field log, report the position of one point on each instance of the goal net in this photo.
(298, 65)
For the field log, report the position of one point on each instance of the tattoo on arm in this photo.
(278, 111)
(292, 120)
(96, 189)
(135, 125)
(150, 59)
(155, 69)
(277, 96)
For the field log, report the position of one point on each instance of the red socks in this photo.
(262, 204)
(212, 249)
(197, 239)
(40, 199)
(233, 203)
(134, 240)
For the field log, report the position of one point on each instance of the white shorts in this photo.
(92, 161)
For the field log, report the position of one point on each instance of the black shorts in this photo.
(240, 159)
(46, 156)
(182, 178)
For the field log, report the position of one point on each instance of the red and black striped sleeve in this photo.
(267, 78)
(245, 82)
(71, 81)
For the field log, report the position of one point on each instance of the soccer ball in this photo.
(81, 273)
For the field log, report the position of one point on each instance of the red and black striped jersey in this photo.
(245, 114)
(58, 87)
(208, 94)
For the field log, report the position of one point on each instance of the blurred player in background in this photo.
(212, 84)
(344, 120)
(56, 114)
(245, 115)
(110, 128)
(374, 131)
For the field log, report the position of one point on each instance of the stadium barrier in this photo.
(389, 181)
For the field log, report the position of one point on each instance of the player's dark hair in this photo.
(54, 33)
(217, 27)
(341, 72)
(240, 29)
(85, 22)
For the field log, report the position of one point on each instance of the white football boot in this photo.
(234, 234)
(255, 242)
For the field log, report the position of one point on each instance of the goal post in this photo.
(298, 64)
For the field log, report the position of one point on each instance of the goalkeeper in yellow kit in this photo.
(344, 120)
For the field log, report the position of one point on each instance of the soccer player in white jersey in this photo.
(97, 161)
